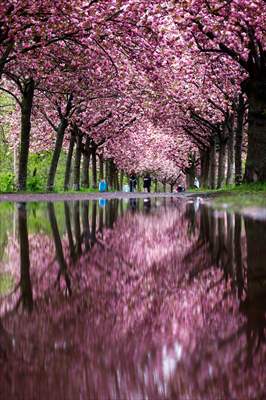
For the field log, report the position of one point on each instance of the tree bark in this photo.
(155, 185)
(221, 164)
(56, 154)
(60, 133)
(76, 184)
(94, 168)
(205, 167)
(101, 169)
(85, 181)
(26, 107)
(230, 152)
(256, 157)
(213, 165)
(69, 161)
(239, 140)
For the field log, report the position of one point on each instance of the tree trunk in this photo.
(94, 168)
(256, 157)
(76, 184)
(26, 107)
(212, 177)
(121, 179)
(155, 185)
(85, 181)
(205, 168)
(68, 162)
(239, 140)
(111, 174)
(221, 165)
(101, 168)
(56, 154)
(230, 152)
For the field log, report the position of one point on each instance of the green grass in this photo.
(237, 197)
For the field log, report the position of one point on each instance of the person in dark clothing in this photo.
(147, 183)
(132, 182)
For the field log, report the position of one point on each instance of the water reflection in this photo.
(158, 299)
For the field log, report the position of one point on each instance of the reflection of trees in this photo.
(235, 245)
(25, 280)
(59, 250)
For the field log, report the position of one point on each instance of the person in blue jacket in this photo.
(102, 185)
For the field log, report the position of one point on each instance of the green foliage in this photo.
(7, 182)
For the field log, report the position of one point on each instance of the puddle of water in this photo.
(157, 299)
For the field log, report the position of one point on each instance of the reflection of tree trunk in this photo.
(256, 253)
(238, 255)
(58, 248)
(230, 244)
(25, 282)
(101, 220)
(86, 224)
(93, 222)
(77, 229)
(69, 231)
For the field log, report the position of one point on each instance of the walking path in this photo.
(28, 197)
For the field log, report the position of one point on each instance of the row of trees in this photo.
(164, 87)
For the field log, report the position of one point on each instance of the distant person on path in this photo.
(102, 186)
(196, 183)
(147, 183)
(132, 182)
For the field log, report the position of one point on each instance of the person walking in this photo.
(132, 182)
(147, 183)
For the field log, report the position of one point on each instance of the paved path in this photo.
(17, 197)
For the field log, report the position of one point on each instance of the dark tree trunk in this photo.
(155, 185)
(56, 154)
(239, 140)
(69, 161)
(85, 181)
(101, 168)
(121, 179)
(26, 107)
(76, 184)
(60, 133)
(164, 187)
(94, 168)
(256, 157)
(230, 151)
(205, 167)
(25, 281)
(213, 164)
(111, 174)
(221, 165)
